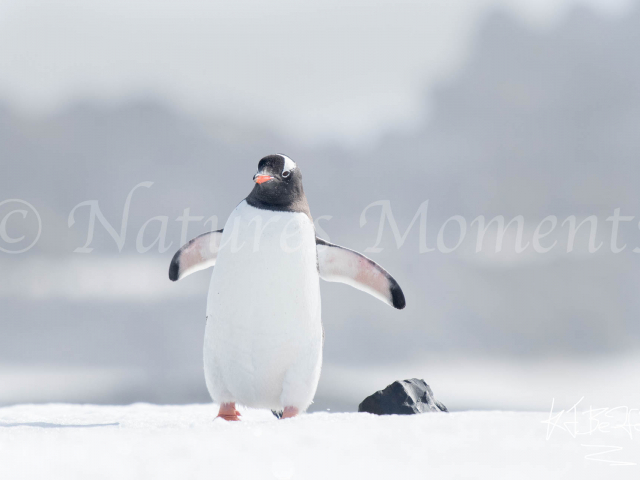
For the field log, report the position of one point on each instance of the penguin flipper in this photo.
(196, 255)
(339, 264)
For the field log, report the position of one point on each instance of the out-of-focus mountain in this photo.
(536, 123)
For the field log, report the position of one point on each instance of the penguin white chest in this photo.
(263, 340)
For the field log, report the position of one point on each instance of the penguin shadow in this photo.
(56, 425)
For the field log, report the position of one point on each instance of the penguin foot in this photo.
(289, 412)
(229, 413)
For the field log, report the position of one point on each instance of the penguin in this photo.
(264, 335)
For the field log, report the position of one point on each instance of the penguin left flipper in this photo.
(196, 255)
(339, 264)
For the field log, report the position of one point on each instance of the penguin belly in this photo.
(263, 338)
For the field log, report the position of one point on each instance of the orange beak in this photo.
(262, 178)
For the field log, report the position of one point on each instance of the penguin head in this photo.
(278, 181)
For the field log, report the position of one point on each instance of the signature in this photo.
(582, 423)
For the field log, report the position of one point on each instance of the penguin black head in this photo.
(278, 186)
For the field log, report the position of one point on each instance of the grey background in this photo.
(500, 108)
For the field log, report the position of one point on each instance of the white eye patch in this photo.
(288, 164)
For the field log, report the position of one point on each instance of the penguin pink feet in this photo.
(289, 412)
(228, 412)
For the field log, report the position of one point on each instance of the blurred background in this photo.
(481, 107)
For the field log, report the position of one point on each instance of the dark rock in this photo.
(404, 397)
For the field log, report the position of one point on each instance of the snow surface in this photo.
(150, 441)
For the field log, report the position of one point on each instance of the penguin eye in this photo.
(286, 174)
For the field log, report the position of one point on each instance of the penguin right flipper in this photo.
(339, 264)
(198, 254)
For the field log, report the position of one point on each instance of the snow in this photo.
(150, 441)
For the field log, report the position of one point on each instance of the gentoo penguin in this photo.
(264, 336)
